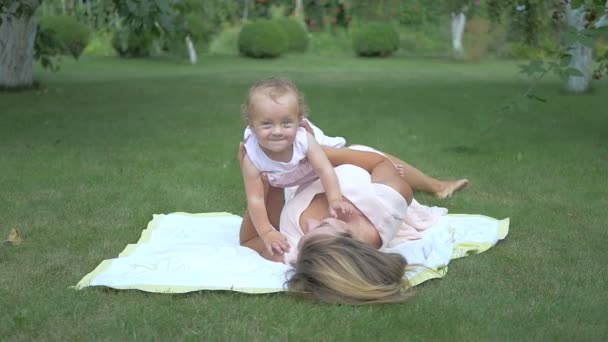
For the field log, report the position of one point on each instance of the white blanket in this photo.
(182, 252)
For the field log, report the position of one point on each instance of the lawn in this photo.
(105, 143)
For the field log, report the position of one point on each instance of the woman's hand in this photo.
(275, 242)
(307, 127)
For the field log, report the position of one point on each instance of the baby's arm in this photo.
(256, 206)
(338, 207)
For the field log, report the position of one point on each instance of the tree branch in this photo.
(603, 21)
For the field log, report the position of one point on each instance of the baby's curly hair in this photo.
(274, 87)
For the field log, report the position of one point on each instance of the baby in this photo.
(278, 148)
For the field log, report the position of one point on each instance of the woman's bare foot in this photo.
(400, 170)
(448, 188)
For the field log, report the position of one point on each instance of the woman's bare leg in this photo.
(386, 174)
(249, 236)
(421, 182)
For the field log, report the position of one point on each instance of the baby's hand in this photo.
(275, 242)
(340, 209)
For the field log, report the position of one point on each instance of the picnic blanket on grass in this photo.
(183, 252)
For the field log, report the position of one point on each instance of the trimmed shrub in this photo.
(297, 36)
(69, 32)
(375, 40)
(262, 39)
(132, 44)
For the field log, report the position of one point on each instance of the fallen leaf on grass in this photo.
(14, 238)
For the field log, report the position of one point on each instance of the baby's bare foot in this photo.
(448, 188)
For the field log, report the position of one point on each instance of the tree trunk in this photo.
(17, 36)
(245, 10)
(459, 21)
(299, 11)
(581, 54)
(191, 51)
(90, 15)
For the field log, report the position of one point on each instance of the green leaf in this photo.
(534, 67)
(570, 36)
(574, 72)
(163, 6)
(537, 98)
(577, 3)
(601, 32)
(132, 6)
(587, 40)
(565, 60)
(561, 73)
(165, 22)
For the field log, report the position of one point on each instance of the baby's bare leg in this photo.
(419, 181)
(249, 236)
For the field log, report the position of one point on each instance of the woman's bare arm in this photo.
(382, 169)
(362, 159)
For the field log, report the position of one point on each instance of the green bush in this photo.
(297, 36)
(99, 45)
(414, 13)
(425, 40)
(69, 32)
(477, 40)
(201, 31)
(375, 40)
(336, 43)
(423, 44)
(225, 43)
(601, 48)
(518, 50)
(498, 39)
(262, 39)
(132, 44)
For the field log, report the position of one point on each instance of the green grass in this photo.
(87, 159)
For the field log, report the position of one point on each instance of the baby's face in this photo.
(275, 122)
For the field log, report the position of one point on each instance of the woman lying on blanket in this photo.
(338, 257)
(338, 260)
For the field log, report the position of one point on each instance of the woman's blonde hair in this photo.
(343, 270)
(274, 88)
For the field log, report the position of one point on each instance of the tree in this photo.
(18, 30)
(585, 22)
(18, 26)
(582, 20)
(458, 10)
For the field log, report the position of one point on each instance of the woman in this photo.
(338, 259)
